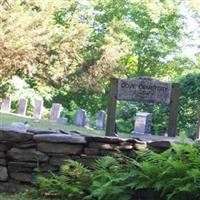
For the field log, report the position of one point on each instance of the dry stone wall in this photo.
(25, 153)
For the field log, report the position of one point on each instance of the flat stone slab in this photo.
(106, 139)
(2, 155)
(58, 160)
(60, 138)
(14, 135)
(27, 155)
(22, 164)
(4, 147)
(12, 187)
(152, 138)
(41, 131)
(23, 177)
(60, 148)
(3, 173)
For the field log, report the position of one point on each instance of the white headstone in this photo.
(6, 104)
(55, 111)
(143, 123)
(22, 106)
(80, 118)
(37, 108)
(101, 120)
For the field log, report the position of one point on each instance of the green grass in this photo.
(24, 196)
(7, 119)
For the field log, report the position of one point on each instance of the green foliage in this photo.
(127, 110)
(172, 174)
(189, 103)
(72, 182)
(67, 51)
(108, 180)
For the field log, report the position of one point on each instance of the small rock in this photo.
(20, 125)
(3, 162)
(58, 160)
(62, 120)
(91, 151)
(2, 155)
(68, 149)
(22, 164)
(92, 138)
(36, 121)
(60, 138)
(3, 173)
(12, 187)
(14, 135)
(100, 145)
(27, 155)
(3, 147)
(23, 177)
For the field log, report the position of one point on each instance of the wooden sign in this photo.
(143, 89)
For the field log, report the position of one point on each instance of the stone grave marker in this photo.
(37, 109)
(143, 123)
(6, 105)
(100, 122)
(87, 123)
(80, 118)
(22, 106)
(62, 120)
(55, 111)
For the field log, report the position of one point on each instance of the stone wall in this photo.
(25, 153)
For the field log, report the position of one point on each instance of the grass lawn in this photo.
(7, 119)
(23, 196)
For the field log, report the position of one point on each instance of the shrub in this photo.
(172, 174)
(72, 182)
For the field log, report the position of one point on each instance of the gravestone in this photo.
(62, 120)
(143, 123)
(87, 123)
(37, 108)
(100, 122)
(22, 106)
(6, 104)
(80, 118)
(55, 111)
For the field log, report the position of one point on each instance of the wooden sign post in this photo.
(198, 129)
(198, 124)
(146, 90)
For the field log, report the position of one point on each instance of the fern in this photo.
(72, 182)
(173, 175)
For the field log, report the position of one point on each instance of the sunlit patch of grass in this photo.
(7, 119)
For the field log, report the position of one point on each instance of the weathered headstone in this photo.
(22, 106)
(55, 111)
(37, 108)
(87, 123)
(143, 123)
(62, 120)
(80, 118)
(100, 122)
(6, 104)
